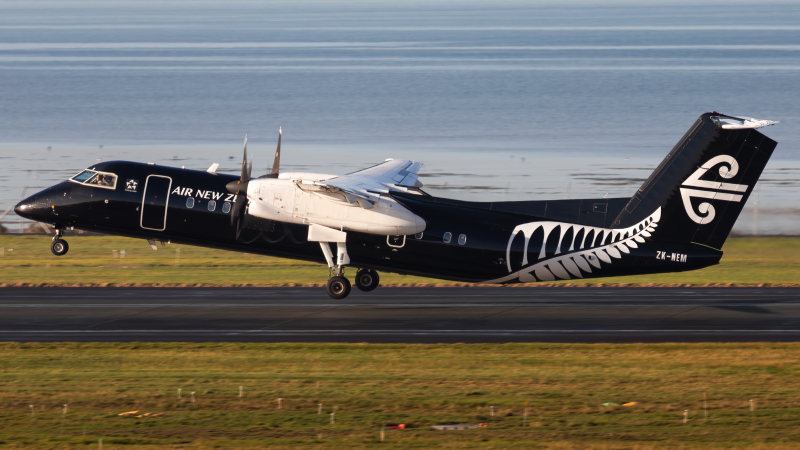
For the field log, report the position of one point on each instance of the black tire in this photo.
(338, 287)
(367, 280)
(59, 247)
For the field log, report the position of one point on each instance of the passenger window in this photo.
(226, 207)
(212, 205)
(447, 237)
(462, 239)
(418, 236)
(190, 202)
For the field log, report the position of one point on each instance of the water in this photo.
(500, 101)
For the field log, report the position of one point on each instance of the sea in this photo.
(499, 100)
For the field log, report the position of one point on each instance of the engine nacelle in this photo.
(283, 201)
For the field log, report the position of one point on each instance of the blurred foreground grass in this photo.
(371, 386)
(91, 260)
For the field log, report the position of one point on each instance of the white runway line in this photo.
(409, 332)
(382, 305)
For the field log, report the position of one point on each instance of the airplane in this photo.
(380, 218)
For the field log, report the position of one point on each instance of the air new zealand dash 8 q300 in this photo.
(379, 218)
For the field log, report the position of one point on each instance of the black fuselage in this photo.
(159, 208)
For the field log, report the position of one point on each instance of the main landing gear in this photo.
(59, 247)
(338, 286)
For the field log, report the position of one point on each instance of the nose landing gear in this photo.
(59, 247)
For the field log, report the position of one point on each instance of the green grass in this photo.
(750, 261)
(91, 260)
(371, 386)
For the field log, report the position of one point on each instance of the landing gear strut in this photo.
(59, 247)
(338, 286)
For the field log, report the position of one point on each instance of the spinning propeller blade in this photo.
(239, 188)
(276, 165)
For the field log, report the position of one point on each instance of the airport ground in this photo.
(502, 363)
(106, 260)
(576, 393)
(371, 386)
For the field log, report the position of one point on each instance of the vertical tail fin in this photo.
(704, 182)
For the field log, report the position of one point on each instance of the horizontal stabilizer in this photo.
(741, 123)
(704, 182)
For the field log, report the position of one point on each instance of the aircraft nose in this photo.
(30, 208)
(23, 209)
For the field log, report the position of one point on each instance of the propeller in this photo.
(239, 188)
(276, 165)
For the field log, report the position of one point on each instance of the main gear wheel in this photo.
(338, 287)
(367, 279)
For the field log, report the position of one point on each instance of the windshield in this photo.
(83, 176)
(90, 177)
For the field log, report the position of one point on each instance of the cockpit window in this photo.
(104, 179)
(83, 176)
(99, 179)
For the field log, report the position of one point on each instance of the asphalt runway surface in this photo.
(414, 315)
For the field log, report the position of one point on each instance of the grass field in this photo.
(91, 260)
(372, 386)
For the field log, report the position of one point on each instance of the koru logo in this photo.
(728, 170)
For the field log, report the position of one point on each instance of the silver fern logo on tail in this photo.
(589, 249)
(728, 169)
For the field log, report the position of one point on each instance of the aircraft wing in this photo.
(366, 185)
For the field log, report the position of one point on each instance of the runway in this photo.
(414, 315)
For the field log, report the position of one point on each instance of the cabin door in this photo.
(155, 202)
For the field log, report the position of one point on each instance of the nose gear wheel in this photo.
(59, 247)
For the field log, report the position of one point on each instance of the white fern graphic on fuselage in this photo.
(579, 257)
